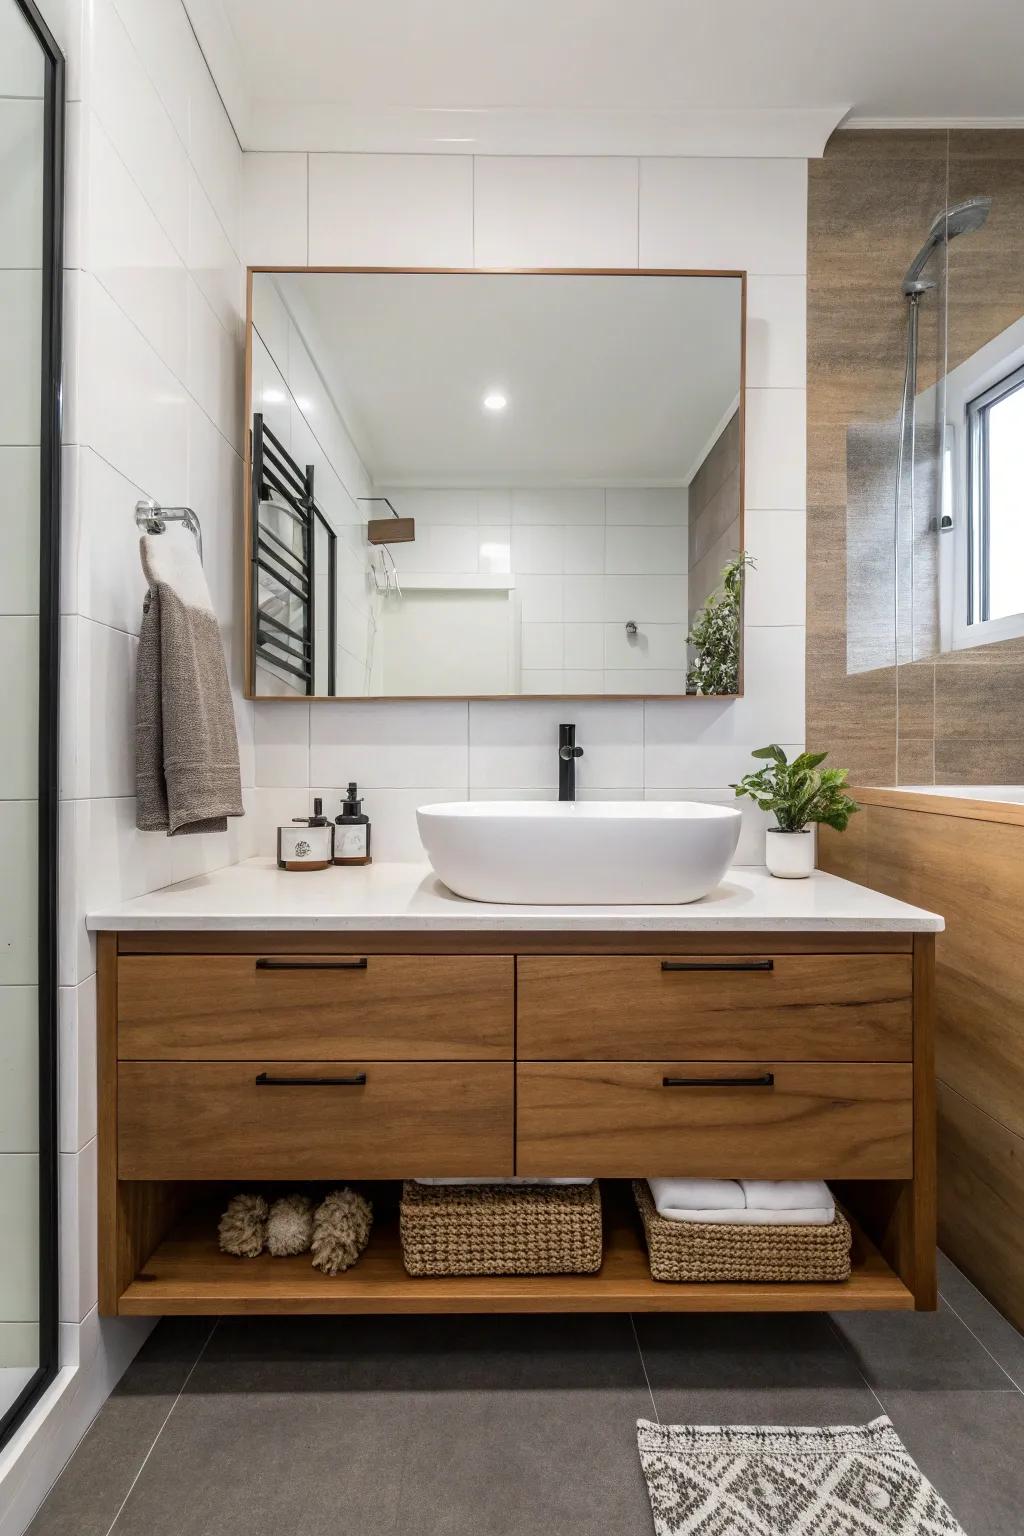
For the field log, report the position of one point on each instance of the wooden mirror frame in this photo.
(427, 698)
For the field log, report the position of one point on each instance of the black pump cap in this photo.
(351, 805)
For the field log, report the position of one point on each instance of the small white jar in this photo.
(789, 855)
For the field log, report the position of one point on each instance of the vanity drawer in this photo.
(327, 1007)
(217, 1120)
(768, 1119)
(715, 1007)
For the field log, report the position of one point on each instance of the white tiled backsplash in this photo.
(449, 210)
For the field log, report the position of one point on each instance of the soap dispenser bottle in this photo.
(307, 843)
(352, 831)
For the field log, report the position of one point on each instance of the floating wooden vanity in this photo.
(604, 1043)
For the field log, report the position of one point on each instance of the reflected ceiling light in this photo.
(494, 400)
(273, 396)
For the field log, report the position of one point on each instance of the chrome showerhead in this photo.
(962, 219)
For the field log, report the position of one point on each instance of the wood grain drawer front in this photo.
(715, 1007)
(621, 1119)
(215, 1120)
(327, 1007)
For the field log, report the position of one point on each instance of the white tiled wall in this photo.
(586, 561)
(153, 344)
(449, 210)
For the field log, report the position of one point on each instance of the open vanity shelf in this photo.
(403, 1054)
(187, 1273)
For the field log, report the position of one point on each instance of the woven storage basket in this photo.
(501, 1229)
(707, 1251)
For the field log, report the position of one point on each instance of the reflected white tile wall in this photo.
(19, 1220)
(19, 1055)
(744, 215)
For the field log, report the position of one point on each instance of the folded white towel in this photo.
(503, 1181)
(785, 1194)
(717, 1196)
(746, 1202)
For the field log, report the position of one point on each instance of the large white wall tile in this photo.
(109, 585)
(776, 463)
(19, 1071)
(388, 746)
(212, 261)
(163, 39)
(775, 592)
(126, 102)
(132, 255)
(647, 506)
(131, 409)
(631, 551)
(516, 745)
(282, 744)
(776, 332)
(552, 505)
(274, 210)
(97, 710)
(79, 1275)
(391, 210)
(555, 211)
(743, 215)
(215, 359)
(76, 1055)
(214, 151)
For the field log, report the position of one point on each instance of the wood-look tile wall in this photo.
(972, 872)
(956, 718)
(714, 514)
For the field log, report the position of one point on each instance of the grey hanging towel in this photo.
(187, 777)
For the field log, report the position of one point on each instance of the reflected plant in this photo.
(715, 635)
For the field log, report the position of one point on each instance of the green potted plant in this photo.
(715, 636)
(799, 794)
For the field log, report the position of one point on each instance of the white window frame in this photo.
(970, 385)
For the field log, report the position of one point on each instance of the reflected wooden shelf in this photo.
(187, 1274)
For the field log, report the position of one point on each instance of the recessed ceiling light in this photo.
(494, 400)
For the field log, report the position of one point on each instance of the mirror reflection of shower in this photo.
(961, 219)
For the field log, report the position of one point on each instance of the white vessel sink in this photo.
(596, 852)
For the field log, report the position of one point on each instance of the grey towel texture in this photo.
(187, 777)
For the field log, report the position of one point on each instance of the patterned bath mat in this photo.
(741, 1480)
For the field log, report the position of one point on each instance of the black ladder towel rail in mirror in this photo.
(283, 574)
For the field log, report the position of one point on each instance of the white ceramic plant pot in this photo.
(789, 855)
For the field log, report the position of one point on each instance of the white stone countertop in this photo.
(256, 896)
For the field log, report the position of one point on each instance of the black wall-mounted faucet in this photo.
(568, 752)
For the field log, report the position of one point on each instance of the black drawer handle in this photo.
(766, 1080)
(312, 965)
(355, 1081)
(718, 965)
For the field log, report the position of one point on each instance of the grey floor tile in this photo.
(970, 1445)
(459, 1427)
(89, 1491)
(919, 1351)
(994, 1330)
(420, 1353)
(685, 1352)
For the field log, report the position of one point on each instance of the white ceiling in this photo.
(650, 74)
(610, 380)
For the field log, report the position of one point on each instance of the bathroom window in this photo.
(995, 421)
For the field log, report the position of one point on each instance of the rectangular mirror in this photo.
(491, 484)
